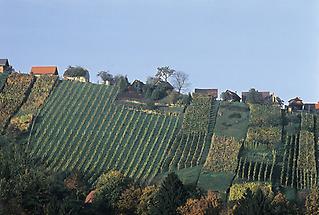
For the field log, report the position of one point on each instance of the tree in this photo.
(146, 200)
(109, 187)
(129, 200)
(210, 204)
(180, 81)
(170, 196)
(164, 73)
(121, 82)
(254, 97)
(76, 71)
(312, 202)
(105, 76)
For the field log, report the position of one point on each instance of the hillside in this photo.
(213, 144)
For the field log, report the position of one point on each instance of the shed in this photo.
(44, 70)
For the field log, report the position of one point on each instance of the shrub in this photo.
(237, 191)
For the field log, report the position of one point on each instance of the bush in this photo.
(237, 191)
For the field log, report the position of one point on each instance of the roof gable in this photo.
(44, 70)
(4, 62)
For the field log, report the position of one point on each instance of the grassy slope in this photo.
(232, 122)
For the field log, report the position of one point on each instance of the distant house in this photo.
(207, 92)
(138, 86)
(230, 96)
(264, 95)
(310, 107)
(295, 104)
(4, 65)
(76, 74)
(44, 70)
(317, 106)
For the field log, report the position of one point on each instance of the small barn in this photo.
(207, 92)
(295, 104)
(4, 65)
(44, 70)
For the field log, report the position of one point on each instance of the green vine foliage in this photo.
(196, 117)
(13, 95)
(264, 115)
(223, 154)
(39, 93)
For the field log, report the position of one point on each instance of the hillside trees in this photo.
(164, 73)
(170, 196)
(254, 97)
(76, 71)
(105, 76)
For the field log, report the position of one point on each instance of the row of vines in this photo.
(80, 127)
(191, 146)
(258, 157)
(13, 95)
(40, 91)
(299, 168)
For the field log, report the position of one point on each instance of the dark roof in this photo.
(4, 62)
(297, 99)
(44, 70)
(233, 95)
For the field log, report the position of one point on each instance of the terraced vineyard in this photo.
(80, 127)
(12, 96)
(190, 148)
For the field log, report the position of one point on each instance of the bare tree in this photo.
(180, 81)
(164, 73)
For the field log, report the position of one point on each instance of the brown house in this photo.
(44, 70)
(317, 106)
(295, 104)
(4, 65)
(231, 96)
(207, 92)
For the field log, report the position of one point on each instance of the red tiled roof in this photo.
(90, 197)
(44, 70)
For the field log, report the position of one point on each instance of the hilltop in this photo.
(216, 145)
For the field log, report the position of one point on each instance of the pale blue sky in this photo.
(228, 44)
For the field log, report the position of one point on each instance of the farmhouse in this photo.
(76, 74)
(264, 95)
(207, 92)
(44, 70)
(231, 96)
(4, 65)
(295, 104)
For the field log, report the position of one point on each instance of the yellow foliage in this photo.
(237, 191)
